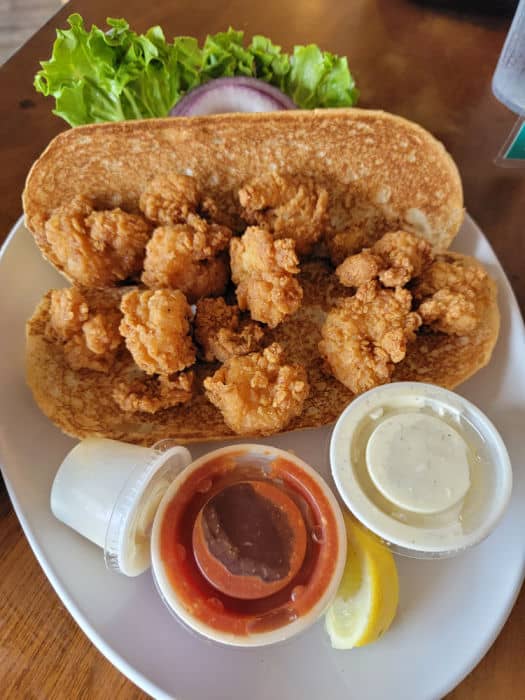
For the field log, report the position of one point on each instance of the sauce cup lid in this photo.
(127, 546)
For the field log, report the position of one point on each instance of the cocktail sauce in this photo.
(216, 608)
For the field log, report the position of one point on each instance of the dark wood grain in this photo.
(432, 67)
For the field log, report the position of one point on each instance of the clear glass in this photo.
(508, 83)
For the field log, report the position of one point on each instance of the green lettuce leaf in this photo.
(270, 64)
(320, 79)
(98, 76)
(224, 55)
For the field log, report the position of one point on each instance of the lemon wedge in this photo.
(368, 594)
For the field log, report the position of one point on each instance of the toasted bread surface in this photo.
(382, 172)
(81, 403)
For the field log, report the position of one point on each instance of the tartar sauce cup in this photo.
(421, 467)
(108, 491)
(207, 543)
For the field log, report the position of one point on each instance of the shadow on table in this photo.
(473, 9)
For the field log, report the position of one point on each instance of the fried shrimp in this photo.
(169, 199)
(96, 248)
(453, 296)
(221, 334)
(344, 243)
(394, 259)
(289, 207)
(263, 270)
(188, 257)
(156, 327)
(136, 391)
(258, 394)
(90, 338)
(365, 335)
(172, 198)
(68, 312)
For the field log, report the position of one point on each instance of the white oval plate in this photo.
(450, 611)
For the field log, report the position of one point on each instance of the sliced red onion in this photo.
(239, 94)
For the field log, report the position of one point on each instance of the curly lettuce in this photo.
(98, 76)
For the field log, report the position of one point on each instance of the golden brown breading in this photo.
(156, 328)
(345, 243)
(258, 394)
(96, 248)
(101, 332)
(188, 257)
(90, 340)
(136, 391)
(453, 296)
(364, 335)
(450, 312)
(67, 312)
(359, 269)
(404, 256)
(263, 270)
(169, 199)
(290, 207)
(394, 259)
(221, 334)
(223, 212)
(172, 199)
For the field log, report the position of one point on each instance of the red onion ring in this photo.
(238, 94)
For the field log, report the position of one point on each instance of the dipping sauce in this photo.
(421, 467)
(250, 541)
(419, 462)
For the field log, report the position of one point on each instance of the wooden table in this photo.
(429, 66)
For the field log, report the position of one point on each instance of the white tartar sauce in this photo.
(419, 462)
(421, 467)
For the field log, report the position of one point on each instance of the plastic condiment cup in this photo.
(238, 455)
(108, 491)
(380, 483)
